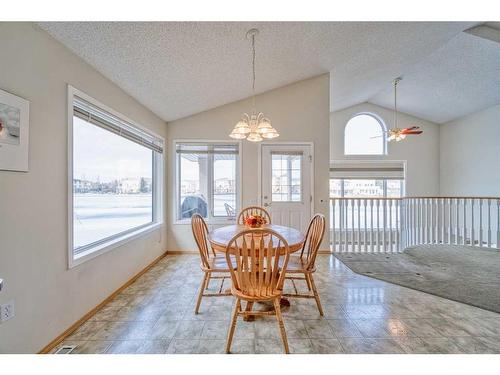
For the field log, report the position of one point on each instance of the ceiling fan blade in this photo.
(415, 132)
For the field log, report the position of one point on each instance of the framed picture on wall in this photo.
(14, 132)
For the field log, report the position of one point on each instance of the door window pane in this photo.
(286, 176)
(112, 184)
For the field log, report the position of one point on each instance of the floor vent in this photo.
(66, 349)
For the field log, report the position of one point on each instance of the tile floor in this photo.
(362, 315)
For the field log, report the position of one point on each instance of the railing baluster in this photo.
(437, 217)
(415, 221)
(384, 216)
(457, 224)
(341, 226)
(443, 219)
(472, 231)
(414, 215)
(365, 231)
(449, 221)
(390, 225)
(378, 226)
(431, 220)
(420, 220)
(353, 249)
(371, 225)
(489, 222)
(426, 208)
(399, 225)
(344, 214)
(498, 224)
(359, 225)
(480, 222)
(465, 222)
(333, 203)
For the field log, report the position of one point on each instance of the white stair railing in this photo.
(389, 225)
(369, 225)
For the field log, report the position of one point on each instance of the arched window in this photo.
(364, 135)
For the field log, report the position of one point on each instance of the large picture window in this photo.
(207, 180)
(116, 189)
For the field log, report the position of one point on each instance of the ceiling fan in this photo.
(395, 133)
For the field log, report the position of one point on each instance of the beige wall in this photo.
(470, 154)
(33, 206)
(300, 112)
(421, 153)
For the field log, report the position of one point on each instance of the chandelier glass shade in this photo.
(253, 127)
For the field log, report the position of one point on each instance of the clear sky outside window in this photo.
(364, 135)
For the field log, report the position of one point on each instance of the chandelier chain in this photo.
(253, 72)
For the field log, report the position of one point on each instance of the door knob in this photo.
(266, 204)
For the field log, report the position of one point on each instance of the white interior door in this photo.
(287, 184)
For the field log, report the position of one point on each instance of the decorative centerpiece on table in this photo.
(255, 221)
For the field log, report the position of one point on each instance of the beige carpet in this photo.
(462, 273)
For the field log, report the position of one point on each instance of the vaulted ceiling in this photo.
(180, 68)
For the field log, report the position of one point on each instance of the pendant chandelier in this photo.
(253, 127)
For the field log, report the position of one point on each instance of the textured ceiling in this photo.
(459, 78)
(177, 69)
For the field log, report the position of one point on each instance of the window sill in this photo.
(102, 248)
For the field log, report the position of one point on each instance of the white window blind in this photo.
(368, 170)
(96, 116)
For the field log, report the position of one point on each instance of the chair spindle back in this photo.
(314, 236)
(200, 232)
(257, 260)
(251, 211)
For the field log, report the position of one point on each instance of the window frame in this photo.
(107, 244)
(216, 220)
(383, 126)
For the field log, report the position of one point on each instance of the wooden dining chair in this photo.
(212, 266)
(253, 210)
(305, 263)
(257, 260)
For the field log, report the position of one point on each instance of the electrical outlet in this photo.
(7, 311)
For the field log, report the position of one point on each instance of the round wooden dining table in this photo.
(219, 238)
